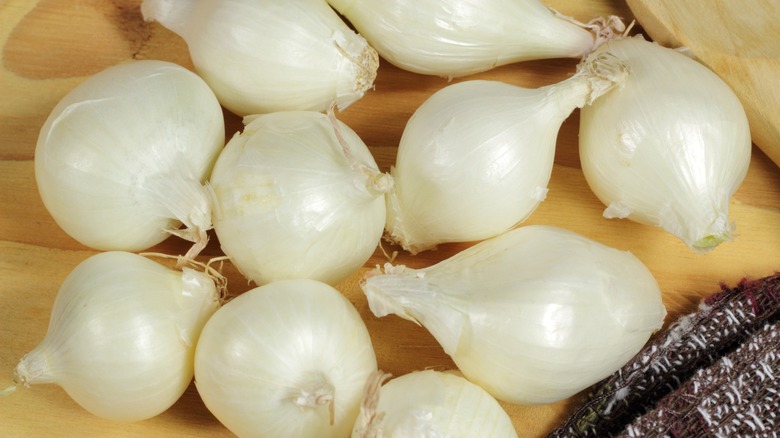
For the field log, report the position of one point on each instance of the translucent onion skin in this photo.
(122, 335)
(432, 404)
(669, 148)
(121, 159)
(288, 359)
(290, 201)
(262, 56)
(475, 158)
(452, 38)
(534, 315)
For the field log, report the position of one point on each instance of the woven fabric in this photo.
(669, 387)
(738, 396)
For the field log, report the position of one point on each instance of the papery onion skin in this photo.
(669, 148)
(453, 38)
(432, 404)
(476, 157)
(121, 159)
(534, 315)
(122, 335)
(289, 203)
(269, 346)
(468, 167)
(262, 56)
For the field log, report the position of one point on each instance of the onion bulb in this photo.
(122, 335)
(430, 404)
(669, 148)
(287, 359)
(452, 38)
(121, 159)
(475, 158)
(261, 56)
(298, 194)
(534, 315)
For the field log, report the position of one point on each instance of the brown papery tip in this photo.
(387, 269)
(215, 274)
(604, 71)
(603, 29)
(607, 29)
(199, 238)
(368, 63)
(379, 183)
(369, 421)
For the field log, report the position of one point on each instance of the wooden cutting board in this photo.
(738, 40)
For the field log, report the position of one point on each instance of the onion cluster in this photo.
(529, 314)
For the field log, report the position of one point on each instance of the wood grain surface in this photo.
(50, 46)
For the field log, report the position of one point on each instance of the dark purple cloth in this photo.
(682, 382)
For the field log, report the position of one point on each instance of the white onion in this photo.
(534, 315)
(293, 200)
(261, 56)
(669, 148)
(476, 157)
(290, 358)
(121, 159)
(430, 404)
(122, 335)
(453, 38)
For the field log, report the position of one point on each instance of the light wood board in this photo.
(740, 41)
